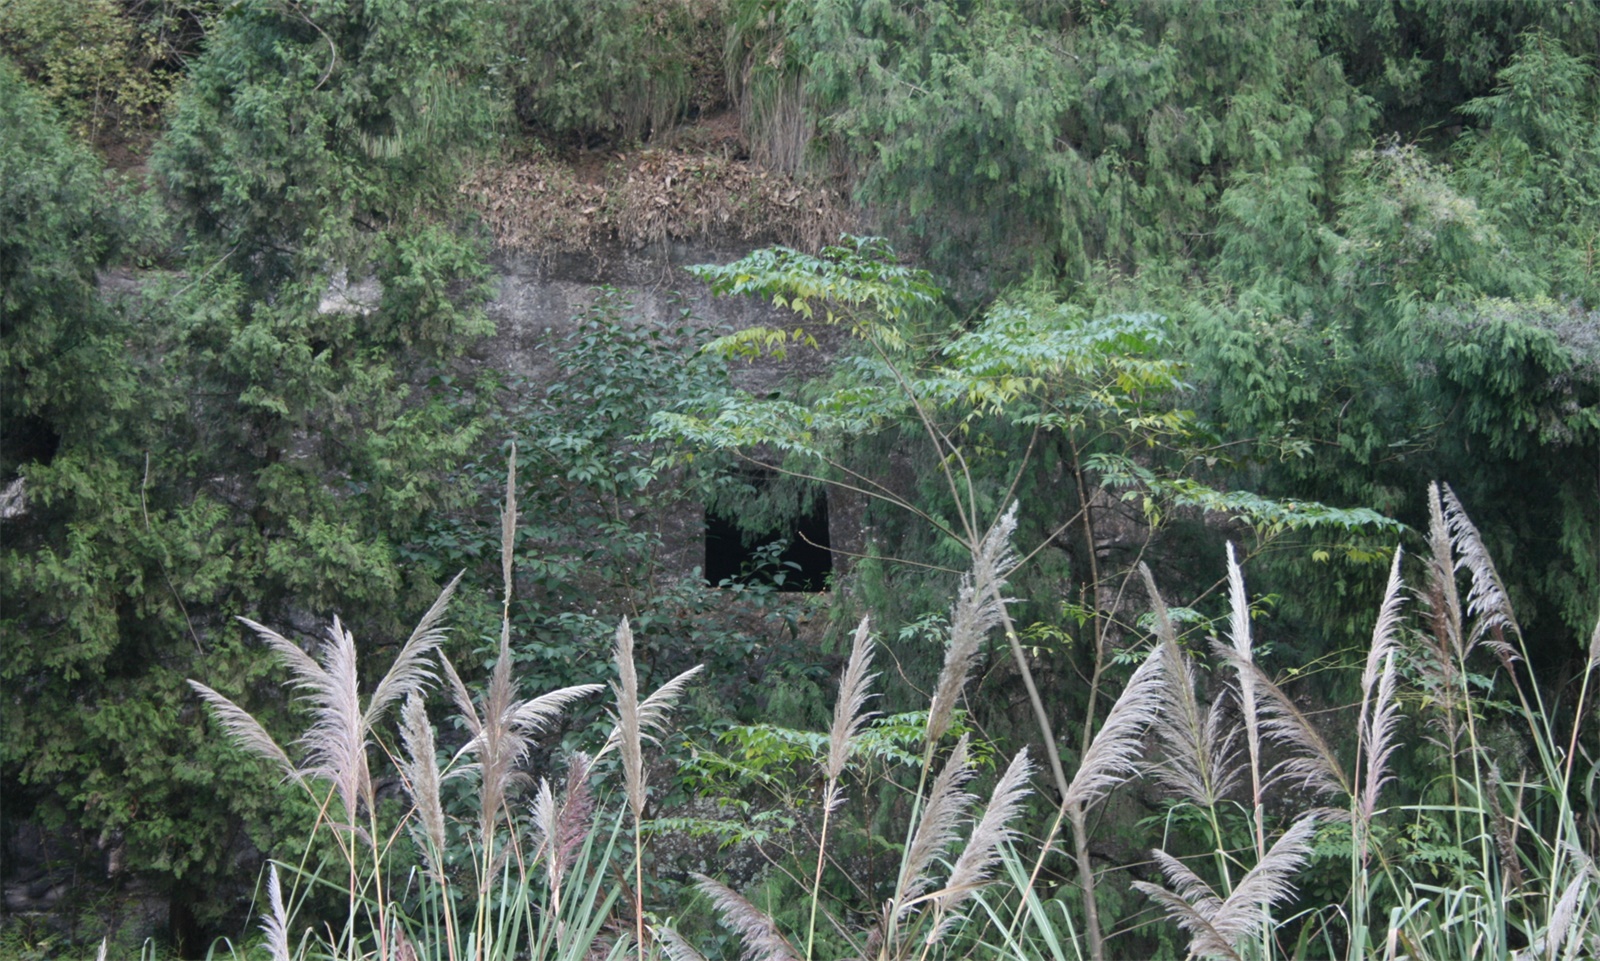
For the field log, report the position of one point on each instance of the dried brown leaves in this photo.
(651, 196)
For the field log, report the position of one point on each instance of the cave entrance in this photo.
(794, 556)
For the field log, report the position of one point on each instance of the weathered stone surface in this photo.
(539, 298)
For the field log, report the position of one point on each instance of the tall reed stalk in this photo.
(536, 881)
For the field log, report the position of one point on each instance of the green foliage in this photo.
(1420, 60)
(243, 436)
(111, 66)
(305, 134)
(53, 323)
(1536, 162)
(1061, 139)
(612, 70)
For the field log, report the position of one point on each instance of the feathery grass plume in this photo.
(676, 946)
(848, 715)
(1488, 604)
(1244, 660)
(503, 731)
(520, 720)
(495, 744)
(1444, 603)
(978, 610)
(1563, 919)
(403, 949)
(628, 734)
(559, 828)
(275, 923)
(935, 830)
(1113, 755)
(544, 812)
(1379, 710)
(1378, 743)
(1200, 750)
(1195, 745)
(757, 932)
(1312, 764)
(336, 743)
(982, 852)
(246, 731)
(1384, 639)
(1217, 926)
(1504, 827)
(410, 673)
(466, 708)
(420, 769)
(637, 720)
(1565, 915)
(503, 737)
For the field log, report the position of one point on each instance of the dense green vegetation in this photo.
(1184, 273)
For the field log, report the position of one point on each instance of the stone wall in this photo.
(540, 297)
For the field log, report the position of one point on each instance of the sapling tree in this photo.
(1034, 396)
